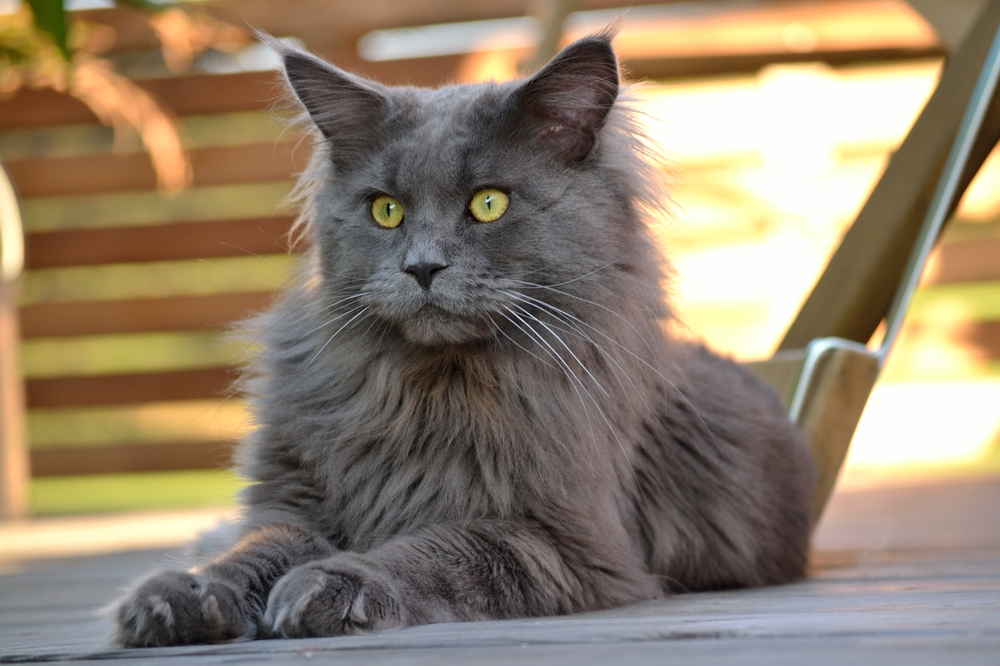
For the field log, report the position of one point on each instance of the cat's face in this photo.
(441, 210)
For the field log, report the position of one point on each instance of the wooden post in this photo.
(13, 453)
(14, 473)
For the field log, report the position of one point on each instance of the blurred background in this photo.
(151, 177)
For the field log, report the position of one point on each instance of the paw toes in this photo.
(176, 608)
(298, 605)
(314, 602)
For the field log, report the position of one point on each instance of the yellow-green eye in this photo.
(387, 212)
(488, 205)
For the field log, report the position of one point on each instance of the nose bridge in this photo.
(433, 165)
(424, 248)
(426, 254)
(430, 238)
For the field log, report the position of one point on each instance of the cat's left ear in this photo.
(566, 104)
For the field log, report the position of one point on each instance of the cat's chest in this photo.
(402, 446)
(419, 455)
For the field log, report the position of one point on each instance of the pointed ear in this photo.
(566, 103)
(345, 108)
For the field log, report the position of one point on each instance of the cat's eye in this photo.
(387, 212)
(488, 205)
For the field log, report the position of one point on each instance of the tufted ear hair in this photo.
(345, 108)
(566, 104)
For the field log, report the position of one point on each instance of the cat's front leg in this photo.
(221, 600)
(446, 573)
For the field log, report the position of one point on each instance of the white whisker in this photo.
(596, 270)
(363, 308)
(332, 320)
(569, 320)
(574, 378)
(568, 349)
(519, 345)
(649, 365)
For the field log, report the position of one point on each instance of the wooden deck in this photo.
(905, 575)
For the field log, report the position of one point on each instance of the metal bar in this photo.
(944, 195)
(814, 352)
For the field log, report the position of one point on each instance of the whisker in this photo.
(340, 316)
(594, 303)
(567, 347)
(515, 342)
(341, 276)
(663, 377)
(363, 308)
(242, 275)
(253, 254)
(566, 317)
(607, 422)
(535, 335)
(596, 270)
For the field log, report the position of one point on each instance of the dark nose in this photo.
(424, 272)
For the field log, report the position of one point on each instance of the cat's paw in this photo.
(180, 608)
(330, 598)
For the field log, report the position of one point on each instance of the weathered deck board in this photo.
(900, 576)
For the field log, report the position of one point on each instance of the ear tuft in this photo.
(345, 108)
(567, 102)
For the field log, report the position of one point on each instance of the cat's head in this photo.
(446, 212)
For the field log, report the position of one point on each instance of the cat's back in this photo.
(726, 479)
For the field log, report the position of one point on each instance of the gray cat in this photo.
(467, 404)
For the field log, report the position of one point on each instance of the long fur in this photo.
(521, 437)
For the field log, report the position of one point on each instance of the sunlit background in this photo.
(778, 119)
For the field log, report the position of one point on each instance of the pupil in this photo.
(388, 209)
(489, 203)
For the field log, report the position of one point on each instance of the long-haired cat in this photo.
(467, 405)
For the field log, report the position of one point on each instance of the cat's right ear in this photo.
(345, 108)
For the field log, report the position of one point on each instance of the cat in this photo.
(468, 405)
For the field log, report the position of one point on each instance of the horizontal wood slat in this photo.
(322, 23)
(179, 313)
(146, 208)
(223, 93)
(967, 261)
(985, 337)
(121, 459)
(115, 173)
(165, 242)
(138, 388)
(674, 68)
(215, 93)
(196, 94)
(326, 24)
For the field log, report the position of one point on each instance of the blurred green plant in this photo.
(44, 46)
(50, 16)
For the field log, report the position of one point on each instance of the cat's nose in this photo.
(424, 272)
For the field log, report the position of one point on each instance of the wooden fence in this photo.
(152, 240)
(127, 291)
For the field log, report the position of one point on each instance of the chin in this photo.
(439, 329)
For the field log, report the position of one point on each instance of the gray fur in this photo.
(521, 438)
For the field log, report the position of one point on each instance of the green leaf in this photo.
(149, 5)
(50, 16)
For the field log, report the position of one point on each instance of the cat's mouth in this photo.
(433, 325)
